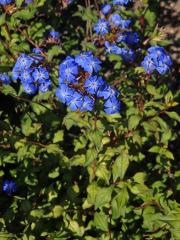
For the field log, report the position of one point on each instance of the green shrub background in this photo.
(87, 175)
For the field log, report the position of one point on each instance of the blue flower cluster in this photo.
(5, 2)
(4, 78)
(80, 86)
(157, 59)
(31, 72)
(114, 32)
(9, 187)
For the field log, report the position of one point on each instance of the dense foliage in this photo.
(88, 122)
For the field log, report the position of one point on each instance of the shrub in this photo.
(89, 122)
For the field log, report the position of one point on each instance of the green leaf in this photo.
(38, 213)
(101, 221)
(133, 121)
(58, 136)
(54, 52)
(19, 3)
(120, 166)
(119, 203)
(53, 148)
(151, 89)
(174, 115)
(2, 18)
(155, 149)
(57, 211)
(54, 173)
(74, 227)
(103, 197)
(96, 138)
(150, 16)
(25, 14)
(92, 190)
(140, 177)
(91, 155)
(103, 173)
(8, 89)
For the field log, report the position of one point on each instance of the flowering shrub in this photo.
(89, 122)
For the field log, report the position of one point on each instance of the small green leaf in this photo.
(58, 136)
(19, 3)
(120, 166)
(91, 155)
(119, 203)
(38, 213)
(54, 173)
(151, 89)
(92, 190)
(101, 221)
(174, 115)
(8, 89)
(2, 18)
(133, 121)
(140, 177)
(57, 211)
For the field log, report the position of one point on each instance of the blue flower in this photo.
(54, 34)
(107, 92)
(82, 58)
(68, 70)
(156, 49)
(101, 27)
(4, 77)
(112, 106)
(108, 47)
(24, 62)
(64, 93)
(5, 2)
(26, 76)
(117, 50)
(16, 72)
(87, 104)
(93, 84)
(157, 59)
(125, 23)
(106, 8)
(121, 2)
(68, 60)
(159, 53)
(112, 48)
(121, 37)
(40, 74)
(30, 88)
(9, 187)
(162, 68)
(116, 19)
(131, 38)
(76, 102)
(148, 64)
(44, 86)
(128, 55)
(93, 64)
